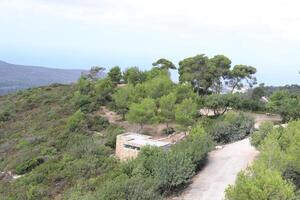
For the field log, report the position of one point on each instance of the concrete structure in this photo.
(128, 145)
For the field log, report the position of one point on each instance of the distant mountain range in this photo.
(17, 77)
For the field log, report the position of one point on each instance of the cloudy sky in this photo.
(83, 33)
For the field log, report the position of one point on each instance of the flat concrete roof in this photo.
(139, 140)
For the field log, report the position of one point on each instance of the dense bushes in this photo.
(172, 171)
(111, 134)
(76, 121)
(286, 104)
(231, 127)
(258, 136)
(96, 123)
(275, 174)
(159, 172)
(260, 183)
(62, 126)
(123, 187)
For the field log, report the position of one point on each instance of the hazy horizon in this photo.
(79, 34)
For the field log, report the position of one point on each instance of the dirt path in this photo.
(260, 118)
(221, 170)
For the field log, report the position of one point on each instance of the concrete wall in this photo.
(122, 152)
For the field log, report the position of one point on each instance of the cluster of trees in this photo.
(294, 88)
(155, 98)
(285, 103)
(151, 96)
(207, 75)
(276, 173)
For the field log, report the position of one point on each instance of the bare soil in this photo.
(155, 130)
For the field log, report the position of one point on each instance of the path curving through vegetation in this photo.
(223, 166)
(221, 170)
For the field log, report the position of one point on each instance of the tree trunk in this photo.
(141, 127)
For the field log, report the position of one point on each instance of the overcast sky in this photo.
(83, 33)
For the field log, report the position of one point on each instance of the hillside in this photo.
(51, 150)
(36, 141)
(58, 141)
(16, 77)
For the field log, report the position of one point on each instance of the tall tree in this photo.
(196, 71)
(158, 86)
(204, 73)
(238, 74)
(95, 73)
(182, 91)
(115, 74)
(104, 89)
(167, 108)
(133, 76)
(142, 113)
(164, 64)
(123, 97)
(258, 92)
(220, 69)
(186, 112)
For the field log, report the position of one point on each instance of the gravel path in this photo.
(221, 170)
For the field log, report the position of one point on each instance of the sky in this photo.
(84, 33)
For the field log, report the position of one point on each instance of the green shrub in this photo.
(49, 151)
(111, 135)
(28, 165)
(286, 104)
(135, 188)
(96, 123)
(5, 116)
(292, 175)
(186, 112)
(81, 101)
(172, 171)
(233, 127)
(260, 183)
(196, 146)
(276, 172)
(258, 136)
(76, 121)
(37, 192)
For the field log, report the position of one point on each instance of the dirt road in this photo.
(221, 170)
(260, 118)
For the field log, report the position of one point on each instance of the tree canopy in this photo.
(164, 64)
(115, 75)
(143, 112)
(208, 74)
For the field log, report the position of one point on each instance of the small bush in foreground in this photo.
(260, 183)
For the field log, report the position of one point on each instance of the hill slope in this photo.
(36, 142)
(16, 77)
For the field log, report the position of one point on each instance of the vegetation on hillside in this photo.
(56, 139)
(276, 173)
